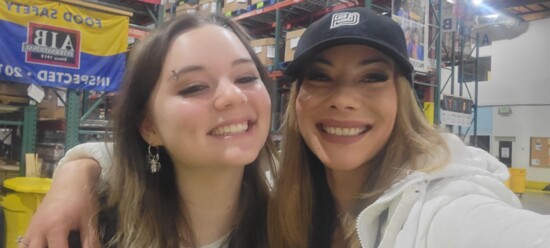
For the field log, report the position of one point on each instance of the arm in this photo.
(101, 152)
(71, 203)
(481, 221)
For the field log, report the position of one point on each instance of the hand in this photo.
(70, 205)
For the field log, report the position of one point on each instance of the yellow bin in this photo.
(517, 180)
(20, 205)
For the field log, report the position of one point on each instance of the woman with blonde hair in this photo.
(361, 166)
(191, 145)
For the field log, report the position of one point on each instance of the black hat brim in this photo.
(295, 68)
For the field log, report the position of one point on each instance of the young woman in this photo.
(363, 168)
(190, 150)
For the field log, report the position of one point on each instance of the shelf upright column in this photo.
(219, 6)
(160, 14)
(72, 115)
(368, 4)
(476, 88)
(437, 98)
(461, 80)
(453, 62)
(85, 96)
(29, 135)
(275, 85)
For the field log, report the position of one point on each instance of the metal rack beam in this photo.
(30, 114)
(72, 112)
(437, 117)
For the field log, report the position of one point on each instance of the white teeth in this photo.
(230, 129)
(341, 131)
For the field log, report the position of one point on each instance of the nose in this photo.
(343, 98)
(229, 95)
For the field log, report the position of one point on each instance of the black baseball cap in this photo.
(352, 26)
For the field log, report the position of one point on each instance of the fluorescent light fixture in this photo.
(477, 2)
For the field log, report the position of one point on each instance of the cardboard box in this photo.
(186, 9)
(50, 107)
(265, 49)
(210, 6)
(292, 38)
(8, 169)
(252, 2)
(13, 89)
(232, 5)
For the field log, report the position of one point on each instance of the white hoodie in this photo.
(464, 205)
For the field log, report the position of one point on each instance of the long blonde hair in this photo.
(140, 209)
(302, 212)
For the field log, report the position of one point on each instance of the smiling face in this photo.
(209, 107)
(347, 104)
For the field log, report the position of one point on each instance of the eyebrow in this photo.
(192, 68)
(175, 74)
(242, 61)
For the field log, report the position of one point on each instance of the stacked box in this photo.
(13, 89)
(186, 9)
(292, 38)
(50, 107)
(8, 169)
(208, 6)
(265, 49)
(252, 2)
(232, 5)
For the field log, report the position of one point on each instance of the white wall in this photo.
(520, 69)
(523, 123)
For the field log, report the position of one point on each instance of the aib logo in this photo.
(344, 19)
(52, 45)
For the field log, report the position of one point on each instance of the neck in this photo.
(345, 186)
(211, 197)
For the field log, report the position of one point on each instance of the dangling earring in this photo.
(153, 160)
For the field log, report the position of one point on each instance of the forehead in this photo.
(207, 43)
(353, 52)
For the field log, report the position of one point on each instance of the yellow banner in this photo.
(102, 34)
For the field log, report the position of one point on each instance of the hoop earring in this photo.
(153, 160)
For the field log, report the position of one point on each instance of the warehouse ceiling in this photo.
(524, 10)
(143, 11)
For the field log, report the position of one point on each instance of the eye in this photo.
(246, 79)
(375, 77)
(317, 76)
(192, 89)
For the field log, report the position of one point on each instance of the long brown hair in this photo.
(141, 209)
(303, 213)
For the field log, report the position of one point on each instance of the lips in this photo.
(231, 129)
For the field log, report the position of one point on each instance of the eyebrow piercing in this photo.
(174, 75)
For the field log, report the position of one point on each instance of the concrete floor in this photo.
(536, 201)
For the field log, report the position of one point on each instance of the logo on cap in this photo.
(344, 19)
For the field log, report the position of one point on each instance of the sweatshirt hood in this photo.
(472, 160)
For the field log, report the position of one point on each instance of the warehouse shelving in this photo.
(20, 123)
(270, 21)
